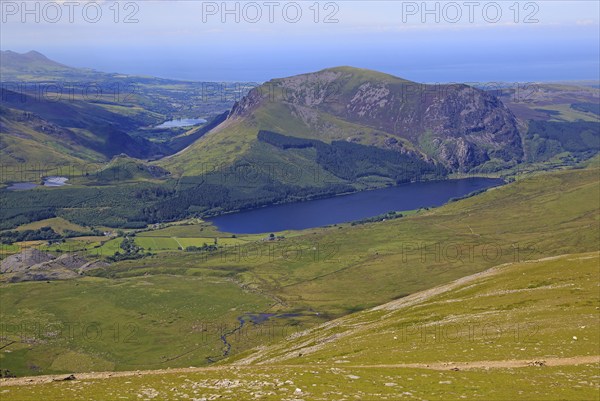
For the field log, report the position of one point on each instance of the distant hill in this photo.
(456, 126)
(29, 61)
(14, 66)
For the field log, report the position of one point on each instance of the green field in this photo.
(58, 224)
(119, 324)
(155, 243)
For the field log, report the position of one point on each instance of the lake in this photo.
(53, 181)
(346, 208)
(21, 186)
(183, 122)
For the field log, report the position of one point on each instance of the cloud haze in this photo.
(443, 41)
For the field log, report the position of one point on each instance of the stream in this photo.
(254, 318)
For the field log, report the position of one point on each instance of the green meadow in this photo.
(119, 324)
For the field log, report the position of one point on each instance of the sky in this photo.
(435, 41)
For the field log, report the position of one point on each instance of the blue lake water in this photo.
(183, 122)
(53, 181)
(21, 186)
(341, 209)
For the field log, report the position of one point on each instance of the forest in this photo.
(351, 161)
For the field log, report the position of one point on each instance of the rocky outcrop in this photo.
(34, 265)
(24, 260)
(248, 103)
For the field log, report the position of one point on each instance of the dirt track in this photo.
(513, 363)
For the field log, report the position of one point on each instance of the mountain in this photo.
(314, 135)
(30, 61)
(455, 126)
(17, 66)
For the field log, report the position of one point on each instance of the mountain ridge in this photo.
(30, 62)
(457, 125)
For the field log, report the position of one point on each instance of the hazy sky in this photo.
(443, 41)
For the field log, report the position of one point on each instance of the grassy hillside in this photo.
(76, 127)
(27, 140)
(326, 382)
(236, 140)
(540, 309)
(531, 324)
